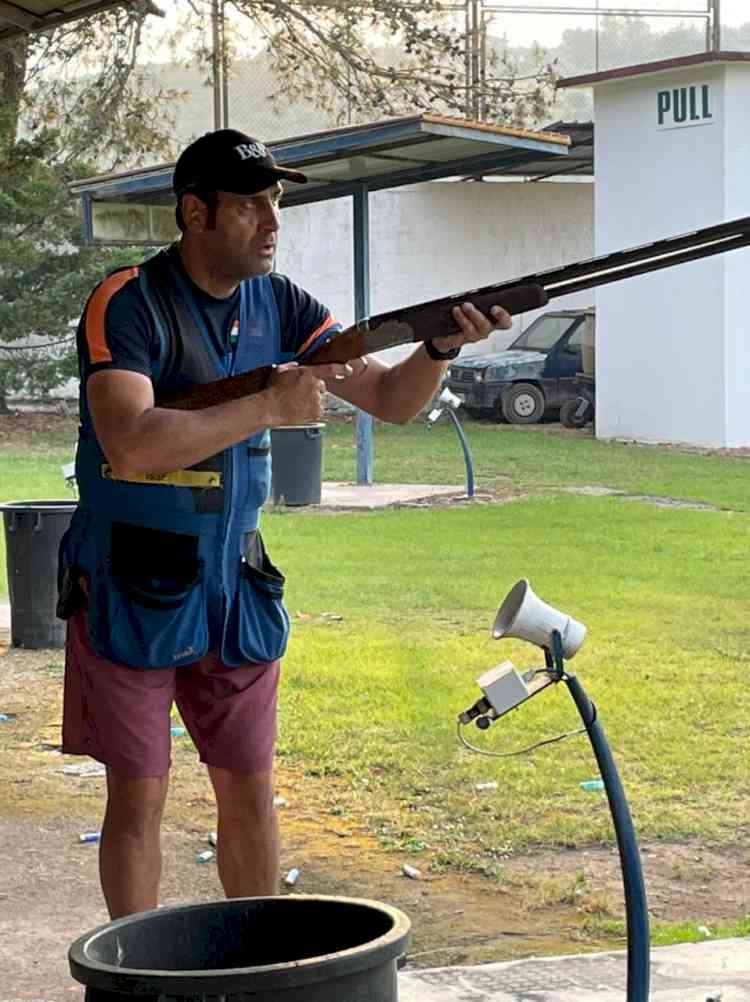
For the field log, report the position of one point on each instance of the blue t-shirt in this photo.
(117, 330)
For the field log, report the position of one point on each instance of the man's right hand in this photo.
(296, 392)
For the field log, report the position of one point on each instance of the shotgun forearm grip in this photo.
(435, 319)
(520, 299)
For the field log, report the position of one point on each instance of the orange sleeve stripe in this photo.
(328, 322)
(97, 310)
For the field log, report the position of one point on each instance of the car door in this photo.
(566, 360)
(569, 351)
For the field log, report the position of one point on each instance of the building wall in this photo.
(437, 239)
(670, 347)
(736, 264)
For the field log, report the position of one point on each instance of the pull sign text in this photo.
(681, 107)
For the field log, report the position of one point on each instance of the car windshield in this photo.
(544, 333)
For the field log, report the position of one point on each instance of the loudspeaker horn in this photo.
(525, 616)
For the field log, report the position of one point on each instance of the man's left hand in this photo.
(474, 325)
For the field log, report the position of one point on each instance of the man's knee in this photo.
(242, 794)
(136, 803)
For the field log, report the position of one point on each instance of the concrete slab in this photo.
(713, 971)
(349, 495)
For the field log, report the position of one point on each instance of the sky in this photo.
(546, 29)
(522, 29)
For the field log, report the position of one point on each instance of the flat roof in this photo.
(578, 163)
(338, 162)
(379, 155)
(643, 69)
(20, 17)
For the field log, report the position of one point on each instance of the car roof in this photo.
(568, 313)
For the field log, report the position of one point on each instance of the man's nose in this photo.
(271, 219)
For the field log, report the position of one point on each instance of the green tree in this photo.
(71, 105)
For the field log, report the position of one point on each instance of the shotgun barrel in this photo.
(434, 319)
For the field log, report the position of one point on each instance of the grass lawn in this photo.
(371, 693)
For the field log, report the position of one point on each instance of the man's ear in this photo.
(194, 213)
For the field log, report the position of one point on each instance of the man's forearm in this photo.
(408, 386)
(163, 440)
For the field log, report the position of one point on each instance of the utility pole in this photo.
(219, 66)
(475, 58)
(716, 25)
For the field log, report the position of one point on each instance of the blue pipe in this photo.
(467, 454)
(639, 945)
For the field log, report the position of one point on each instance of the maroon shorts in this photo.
(121, 716)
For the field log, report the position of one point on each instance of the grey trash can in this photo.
(272, 949)
(33, 530)
(297, 464)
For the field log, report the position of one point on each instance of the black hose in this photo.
(636, 908)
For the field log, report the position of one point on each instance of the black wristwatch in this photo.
(440, 356)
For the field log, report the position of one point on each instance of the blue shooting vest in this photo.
(176, 565)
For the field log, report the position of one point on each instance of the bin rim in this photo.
(298, 427)
(288, 974)
(45, 504)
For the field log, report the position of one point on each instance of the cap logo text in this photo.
(252, 151)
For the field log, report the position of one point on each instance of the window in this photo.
(545, 332)
(573, 347)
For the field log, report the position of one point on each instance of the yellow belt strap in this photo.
(180, 478)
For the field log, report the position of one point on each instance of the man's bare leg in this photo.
(130, 850)
(247, 832)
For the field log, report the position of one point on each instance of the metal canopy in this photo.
(578, 162)
(19, 17)
(136, 207)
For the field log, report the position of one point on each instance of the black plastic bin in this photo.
(297, 464)
(33, 530)
(293, 948)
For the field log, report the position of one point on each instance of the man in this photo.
(165, 581)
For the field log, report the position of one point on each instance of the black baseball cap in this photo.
(228, 160)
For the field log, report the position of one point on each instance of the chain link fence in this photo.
(584, 37)
(256, 105)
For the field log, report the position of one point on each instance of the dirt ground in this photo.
(542, 904)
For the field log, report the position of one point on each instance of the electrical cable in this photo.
(521, 751)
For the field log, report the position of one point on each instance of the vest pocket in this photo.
(258, 627)
(150, 611)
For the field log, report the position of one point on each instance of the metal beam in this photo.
(18, 17)
(361, 228)
(595, 11)
(88, 222)
(716, 25)
(23, 17)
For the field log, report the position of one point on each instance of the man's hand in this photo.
(296, 392)
(475, 326)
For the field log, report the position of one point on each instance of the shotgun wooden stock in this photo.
(434, 319)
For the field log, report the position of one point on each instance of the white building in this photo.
(672, 154)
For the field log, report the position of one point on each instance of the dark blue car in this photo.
(541, 371)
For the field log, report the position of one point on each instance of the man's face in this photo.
(242, 242)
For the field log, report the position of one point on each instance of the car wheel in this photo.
(570, 416)
(523, 403)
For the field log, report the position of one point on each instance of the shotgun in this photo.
(433, 319)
